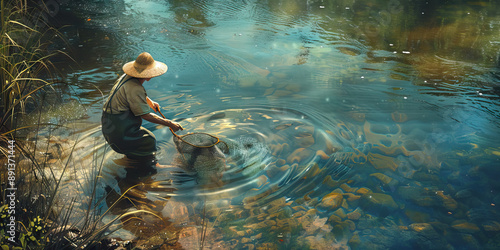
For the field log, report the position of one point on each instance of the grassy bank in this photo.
(31, 214)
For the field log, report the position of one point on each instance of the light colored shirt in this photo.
(130, 97)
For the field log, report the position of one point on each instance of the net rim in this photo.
(197, 146)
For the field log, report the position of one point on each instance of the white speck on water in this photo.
(327, 99)
(422, 12)
(347, 8)
(406, 52)
(390, 44)
(176, 76)
(405, 97)
(217, 90)
(480, 93)
(362, 77)
(321, 7)
(395, 52)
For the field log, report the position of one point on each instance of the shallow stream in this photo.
(351, 124)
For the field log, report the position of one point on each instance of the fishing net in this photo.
(201, 152)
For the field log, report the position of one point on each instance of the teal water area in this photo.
(351, 124)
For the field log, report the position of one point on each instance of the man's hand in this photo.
(175, 126)
(155, 106)
(152, 117)
(152, 104)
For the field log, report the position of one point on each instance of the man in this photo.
(126, 107)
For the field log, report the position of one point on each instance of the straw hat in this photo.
(145, 67)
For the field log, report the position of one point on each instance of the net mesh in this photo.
(201, 152)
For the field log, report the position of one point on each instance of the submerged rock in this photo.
(378, 203)
(331, 201)
(417, 216)
(464, 226)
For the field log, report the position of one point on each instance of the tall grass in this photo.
(24, 60)
(27, 75)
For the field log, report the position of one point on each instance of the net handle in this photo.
(180, 137)
(171, 130)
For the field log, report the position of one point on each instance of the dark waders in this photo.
(124, 133)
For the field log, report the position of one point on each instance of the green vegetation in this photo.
(38, 220)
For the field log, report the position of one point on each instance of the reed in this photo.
(27, 75)
(24, 60)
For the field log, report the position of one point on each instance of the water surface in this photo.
(352, 124)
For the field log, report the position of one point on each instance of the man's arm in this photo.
(151, 117)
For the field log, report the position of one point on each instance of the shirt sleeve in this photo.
(136, 97)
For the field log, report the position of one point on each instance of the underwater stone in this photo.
(355, 215)
(421, 227)
(417, 195)
(378, 203)
(330, 182)
(382, 178)
(363, 191)
(352, 197)
(470, 241)
(276, 205)
(463, 194)
(312, 202)
(350, 224)
(421, 176)
(382, 162)
(340, 213)
(334, 219)
(447, 202)
(249, 246)
(265, 246)
(347, 188)
(256, 237)
(280, 162)
(345, 204)
(299, 214)
(491, 226)
(305, 141)
(322, 155)
(299, 208)
(298, 155)
(285, 212)
(338, 231)
(417, 216)
(273, 171)
(261, 180)
(464, 226)
(354, 241)
(331, 201)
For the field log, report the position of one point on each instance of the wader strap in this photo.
(120, 84)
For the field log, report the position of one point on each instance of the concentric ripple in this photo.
(270, 150)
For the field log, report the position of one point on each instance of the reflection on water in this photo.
(350, 124)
